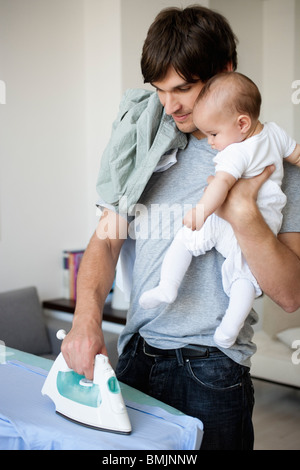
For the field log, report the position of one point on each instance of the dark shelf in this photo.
(67, 305)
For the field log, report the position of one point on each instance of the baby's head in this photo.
(227, 109)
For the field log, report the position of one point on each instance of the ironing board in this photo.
(28, 419)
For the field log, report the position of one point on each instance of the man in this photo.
(168, 352)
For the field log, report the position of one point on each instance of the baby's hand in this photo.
(193, 219)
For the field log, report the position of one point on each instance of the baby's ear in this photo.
(244, 123)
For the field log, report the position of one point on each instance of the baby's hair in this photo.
(234, 92)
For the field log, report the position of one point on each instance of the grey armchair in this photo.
(276, 359)
(23, 325)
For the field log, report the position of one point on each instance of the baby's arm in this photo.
(213, 197)
(294, 158)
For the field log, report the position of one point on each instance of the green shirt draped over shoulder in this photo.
(141, 135)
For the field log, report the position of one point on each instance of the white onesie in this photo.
(245, 160)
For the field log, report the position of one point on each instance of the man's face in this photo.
(178, 97)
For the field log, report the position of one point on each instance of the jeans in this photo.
(213, 388)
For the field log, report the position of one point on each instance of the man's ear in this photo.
(244, 123)
(228, 67)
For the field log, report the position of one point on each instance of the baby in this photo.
(227, 111)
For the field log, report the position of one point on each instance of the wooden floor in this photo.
(276, 417)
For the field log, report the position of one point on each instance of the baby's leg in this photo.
(242, 295)
(174, 267)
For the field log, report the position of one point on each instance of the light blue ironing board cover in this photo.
(28, 419)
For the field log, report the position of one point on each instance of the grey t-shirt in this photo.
(201, 302)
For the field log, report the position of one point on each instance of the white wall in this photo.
(43, 169)
(65, 64)
(279, 66)
(103, 65)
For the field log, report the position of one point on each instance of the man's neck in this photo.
(198, 134)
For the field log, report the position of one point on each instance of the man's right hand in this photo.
(81, 345)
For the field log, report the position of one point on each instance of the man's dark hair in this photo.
(196, 41)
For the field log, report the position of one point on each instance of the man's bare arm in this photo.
(95, 278)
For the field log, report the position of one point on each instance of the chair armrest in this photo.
(53, 325)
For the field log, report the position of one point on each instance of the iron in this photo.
(97, 404)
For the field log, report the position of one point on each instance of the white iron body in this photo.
(98, 404)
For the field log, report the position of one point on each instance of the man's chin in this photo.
(186, 127)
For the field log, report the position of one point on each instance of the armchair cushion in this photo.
(273, 360)
(22, 324)
(289, 336)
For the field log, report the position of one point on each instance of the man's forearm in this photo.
(97, 268)
(273, 261)
(95, 277)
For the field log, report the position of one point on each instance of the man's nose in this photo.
(171, 103)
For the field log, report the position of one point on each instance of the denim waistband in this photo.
(190, 351)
